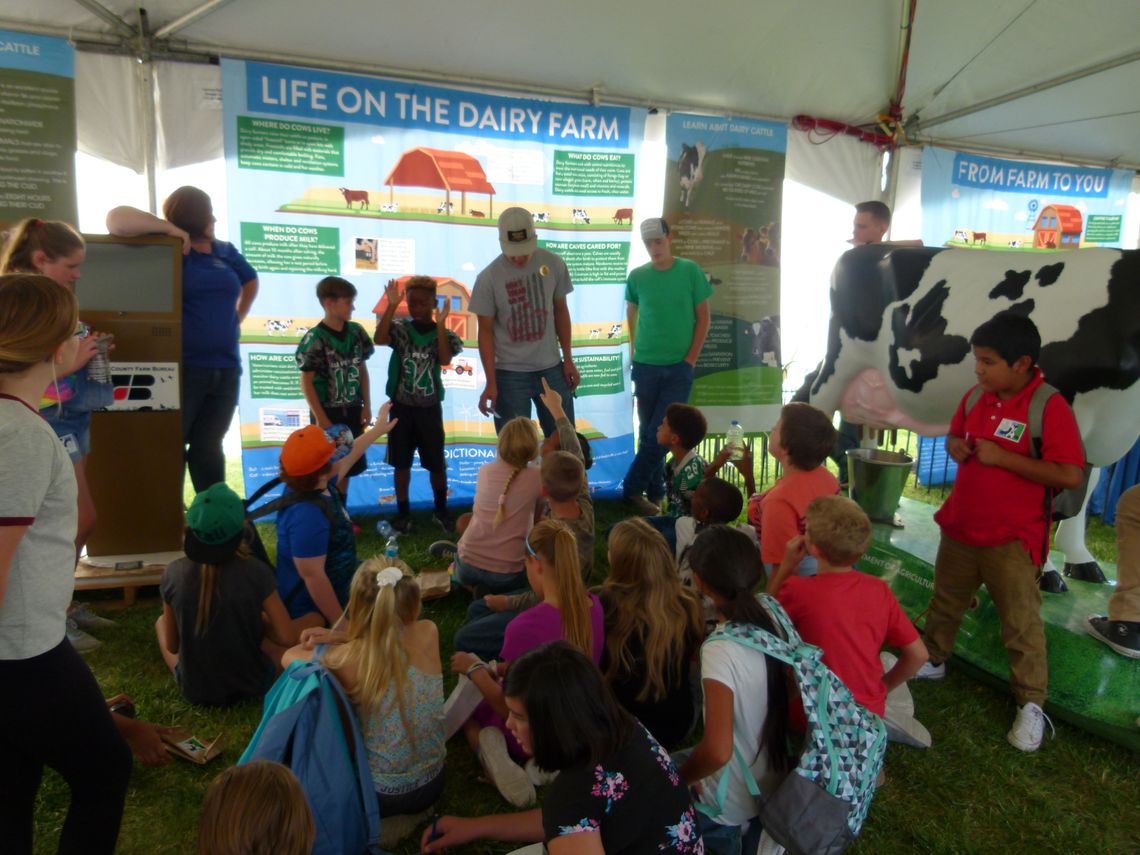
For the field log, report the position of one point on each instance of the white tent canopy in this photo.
(1046, 78)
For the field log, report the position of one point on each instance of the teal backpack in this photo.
(310, 726)
(820, 806)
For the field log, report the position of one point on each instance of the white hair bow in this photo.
(388, 577)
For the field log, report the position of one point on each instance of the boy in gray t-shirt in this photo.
(520, 299)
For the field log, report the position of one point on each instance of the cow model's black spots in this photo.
(923, 330)
(1104, 352)
(1013, 286)
(1024, 308)
(1050, 273)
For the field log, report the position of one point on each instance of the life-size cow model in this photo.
(898, 347)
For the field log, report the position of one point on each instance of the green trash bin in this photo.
(877, 479)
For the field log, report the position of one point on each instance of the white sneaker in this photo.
(930, 671)
(538, 777)
(80, 640)
(1029, 728)
(508, 776)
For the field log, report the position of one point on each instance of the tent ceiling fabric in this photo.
(776, 58)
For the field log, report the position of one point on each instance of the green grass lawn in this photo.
(970, 793)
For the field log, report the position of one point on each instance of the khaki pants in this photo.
(1125, 603)
(1010, 578)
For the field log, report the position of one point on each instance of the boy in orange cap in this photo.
(316, 549)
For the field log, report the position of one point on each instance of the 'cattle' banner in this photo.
(723, 190)
(374, 179)
(984, 202)
(37, 128)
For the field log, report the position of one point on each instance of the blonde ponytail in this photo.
(555, 544)
(377, 611)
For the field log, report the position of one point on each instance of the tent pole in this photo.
(146, 94)
(189, 18)
(925, 125)
(101, 11)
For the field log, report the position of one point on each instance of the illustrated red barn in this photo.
(1058, 227)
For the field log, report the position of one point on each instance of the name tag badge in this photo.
(1010, 430)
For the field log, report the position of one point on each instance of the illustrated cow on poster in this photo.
(898, 351)
(690, 170)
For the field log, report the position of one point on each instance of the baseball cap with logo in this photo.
(215, 525)
(516, 232)
(654, 228)
(306, 450)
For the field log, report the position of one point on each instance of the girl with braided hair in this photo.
(508, 492)
(387, 660)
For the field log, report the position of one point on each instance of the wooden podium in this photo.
(132, 287)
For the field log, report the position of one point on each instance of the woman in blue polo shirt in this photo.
(218, 288)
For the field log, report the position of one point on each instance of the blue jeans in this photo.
(209, 398)
(722, 839)
(497, 583)
(483, 631)
(655, 387)
(518, 388)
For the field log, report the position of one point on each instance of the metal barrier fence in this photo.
(930, 478)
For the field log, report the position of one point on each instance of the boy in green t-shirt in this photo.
(334, 377)
(419, 347)
(668, 313)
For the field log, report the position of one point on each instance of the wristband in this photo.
(474, 666)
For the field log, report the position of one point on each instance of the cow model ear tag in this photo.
(544, 270)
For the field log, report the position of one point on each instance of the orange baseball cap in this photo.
(305, 451)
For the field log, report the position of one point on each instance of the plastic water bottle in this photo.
(735, 440)
(392, 548)
(99, 367)
(384, 528)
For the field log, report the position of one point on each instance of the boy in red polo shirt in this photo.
(848, 614)
(995, 522)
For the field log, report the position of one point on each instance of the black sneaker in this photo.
(446, 521)
(402, 523)
(443, 549)
(1123, 636)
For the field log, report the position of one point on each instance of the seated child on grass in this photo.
(508, 490)
(745, 697)
(800, 440)
(419, 347)
(681, 431)
(715, 502)
(653, 631)
(316, 559)
(566, 492)
(256, 807)
(211, 632)
(567, 613)
(848, 614)
(387, 660)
